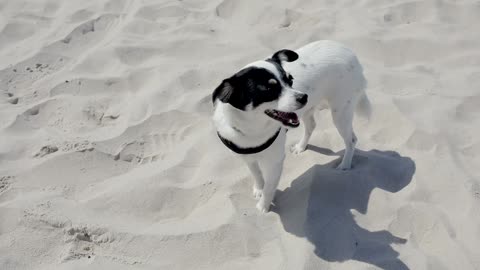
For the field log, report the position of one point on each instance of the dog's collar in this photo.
(250, 150)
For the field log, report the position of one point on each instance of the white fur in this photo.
(332, 77)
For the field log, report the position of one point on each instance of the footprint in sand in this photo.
(74, 117)
(81, 244)
(169, 130)
(5, 183)
(13, 100)
(46, 150)
(20, 76)
(33, 111)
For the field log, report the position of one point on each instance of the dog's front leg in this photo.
(271, 171)
(257, 176)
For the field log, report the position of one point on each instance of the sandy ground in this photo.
(108, 159)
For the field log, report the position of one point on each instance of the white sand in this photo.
(108, 159)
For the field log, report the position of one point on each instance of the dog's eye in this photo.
(262, 87)
(272, 81)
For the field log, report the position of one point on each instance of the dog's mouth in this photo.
(289, 119)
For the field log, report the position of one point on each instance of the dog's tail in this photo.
(364, 107)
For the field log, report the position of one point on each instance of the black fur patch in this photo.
(276, 60)
(287, 78)
(284, 55)
(248, 86)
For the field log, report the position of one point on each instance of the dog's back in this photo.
(329, 71)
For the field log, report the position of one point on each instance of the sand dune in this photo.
(108, 159)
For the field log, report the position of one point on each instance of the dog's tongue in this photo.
(288, 116)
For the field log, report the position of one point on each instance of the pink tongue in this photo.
(288, 115)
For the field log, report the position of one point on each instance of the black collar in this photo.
(250, 150)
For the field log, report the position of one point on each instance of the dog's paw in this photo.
(257, 193)
(343, 167)
(262, 207)
(297, 148)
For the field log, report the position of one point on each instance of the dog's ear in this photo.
(284, 55)
(227, 93)
(223, 92)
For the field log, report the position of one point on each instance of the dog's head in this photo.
(264, 87)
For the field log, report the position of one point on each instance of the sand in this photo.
(108, 157)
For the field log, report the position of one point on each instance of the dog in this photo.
(254, 108)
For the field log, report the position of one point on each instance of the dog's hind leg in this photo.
(308, 120)
(257, 176)
(343, 120)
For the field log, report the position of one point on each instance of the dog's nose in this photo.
(302, 99)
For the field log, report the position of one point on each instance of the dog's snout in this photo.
(302, 99)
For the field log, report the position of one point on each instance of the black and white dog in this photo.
(254, 108)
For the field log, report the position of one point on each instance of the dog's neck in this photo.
(244, 128)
